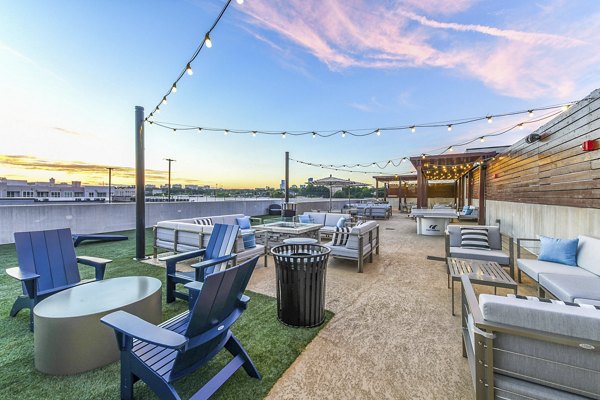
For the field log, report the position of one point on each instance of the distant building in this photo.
(50, 191)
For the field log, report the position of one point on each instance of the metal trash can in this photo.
(301, 271)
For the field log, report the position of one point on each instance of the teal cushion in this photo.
(341, 222)
(562, 251)
(249, 241)
(469, 211)
(465, 208)
(304, 219)
(243, 222)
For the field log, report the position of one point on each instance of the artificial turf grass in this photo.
(271, 345)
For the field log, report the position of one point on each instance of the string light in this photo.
(520, 126)
(283, 135)
(314, 135)
(226, 132)
(530, 112)
(199, 130)
(482, 139)
(449, 127)
(489, 119)
(413, 129)
(240, 2)
(164, 101)
(343, 134)
(253, 133)
(450, 148)
(188, 66)
(378, 132)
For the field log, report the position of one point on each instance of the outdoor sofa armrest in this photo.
(519, 240)
(22, 275)
(134, 327)
(256, 219)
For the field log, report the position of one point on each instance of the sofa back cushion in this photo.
(567, 368)
(361, 230)
(318, 218)
(587, 254)
(331, 219)
(494, 238)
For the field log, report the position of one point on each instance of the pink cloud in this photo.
(359, 33)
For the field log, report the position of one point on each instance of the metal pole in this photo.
(109, 184)
(170, 160)
(287, 177)
(140, 206)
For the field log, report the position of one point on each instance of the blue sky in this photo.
(72, 73)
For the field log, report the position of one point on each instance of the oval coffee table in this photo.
(68, 335)
(300, 240)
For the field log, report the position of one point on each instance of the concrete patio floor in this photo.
(393, 335)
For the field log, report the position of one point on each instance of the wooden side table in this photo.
(487, 273)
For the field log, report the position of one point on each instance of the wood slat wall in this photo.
(555, 170)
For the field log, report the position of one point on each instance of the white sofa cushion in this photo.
(361, 230)
(534, 267)
(571, 287)
(588, 251)
(341, 251)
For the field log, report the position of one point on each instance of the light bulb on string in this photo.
(226, 132)
(449, 127)
(413, 129)
(253, 133)
(283, 135)
(482, 139)
(530, 113)
(450, 148)
(188, 69)
(157, 111)
(199, 130)
(164, 100)
(240, 2)
(343, 134)
(521, 126)
(314, 135)
(489, 119)
(378, 132)
(174, 88)
(207, 41)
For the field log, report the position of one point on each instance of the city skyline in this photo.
(70, 82)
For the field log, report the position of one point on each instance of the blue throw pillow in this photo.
(341, 222)
(243, 222)
(563, 251)
(304, 219)
(469, 211)
(465, 208)
(249, 241)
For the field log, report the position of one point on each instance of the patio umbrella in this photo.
(331, 181)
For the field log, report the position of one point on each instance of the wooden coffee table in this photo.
(487, 273)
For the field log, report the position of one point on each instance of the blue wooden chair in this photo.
(47, 265)
(160, 355)
(215, 257)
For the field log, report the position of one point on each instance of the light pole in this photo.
(110, 184)
(170, 160)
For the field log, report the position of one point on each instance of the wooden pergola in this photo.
(402, 183)
(453, 167)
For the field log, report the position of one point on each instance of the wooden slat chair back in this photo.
(160, 355)
(48, 264)
(221, 242)
(51, 255)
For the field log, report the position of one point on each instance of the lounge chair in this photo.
(215, 258)
(47, 265)
(160, 355)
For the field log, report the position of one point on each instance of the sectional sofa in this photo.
(328, 220)
(362, 241)
(578, 284)
(181, 235)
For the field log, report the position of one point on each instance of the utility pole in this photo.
(170, 160)
(110, 184)
(140, 200)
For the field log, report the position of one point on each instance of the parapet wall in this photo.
(100, 218)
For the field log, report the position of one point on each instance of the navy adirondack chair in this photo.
(47, 265)
(215, 256)
(160, 355)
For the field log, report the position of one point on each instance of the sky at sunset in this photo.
(73, 71)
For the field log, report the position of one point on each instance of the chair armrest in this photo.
(209, 263)
(93, 261)
(21, 275)
(132, 326)
(183, 256)
(98, 263)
